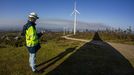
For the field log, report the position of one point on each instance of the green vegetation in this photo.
(54, 50)
(14, 60)
(117, 36)
(84, 35)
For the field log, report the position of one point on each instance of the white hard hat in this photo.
(34, 15)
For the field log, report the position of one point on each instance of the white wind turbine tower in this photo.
(75, 12)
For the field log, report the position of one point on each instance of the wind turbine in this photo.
(75, 12)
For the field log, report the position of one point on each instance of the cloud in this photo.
(11, 22)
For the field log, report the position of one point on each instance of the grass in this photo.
(14, 61)
(86, 58)
(105, 37)
(84, 35)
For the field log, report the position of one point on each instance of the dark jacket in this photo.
(35, 48)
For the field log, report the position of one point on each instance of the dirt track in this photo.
(97, 57)
(126, 50)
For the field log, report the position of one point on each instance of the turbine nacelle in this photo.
(75, 12)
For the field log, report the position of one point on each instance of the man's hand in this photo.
(42, 32)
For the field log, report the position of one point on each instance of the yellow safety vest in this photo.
(31, 37)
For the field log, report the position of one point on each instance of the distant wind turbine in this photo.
(75, 12)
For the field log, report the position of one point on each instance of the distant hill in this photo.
(58, 25)
(68, 24)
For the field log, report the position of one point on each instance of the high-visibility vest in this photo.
(31, 37)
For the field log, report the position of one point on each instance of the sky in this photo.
(116, 13)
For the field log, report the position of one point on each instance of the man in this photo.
(32, 39)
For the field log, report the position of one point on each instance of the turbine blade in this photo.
(77, 11)
(74, 5)
(72, 13)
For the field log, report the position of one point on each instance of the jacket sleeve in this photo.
(39, 34)
(23, 31)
